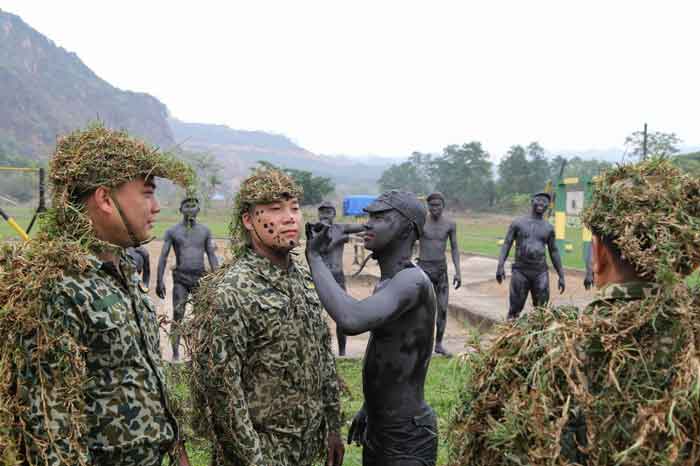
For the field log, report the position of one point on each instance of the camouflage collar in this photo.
(95, 263)
(263, 267)
(628, 291)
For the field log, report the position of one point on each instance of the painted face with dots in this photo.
(277, 225)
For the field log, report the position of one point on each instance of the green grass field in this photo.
(441, 389)
(476, 236)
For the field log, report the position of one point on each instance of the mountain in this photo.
(237, 151)
(46, 91)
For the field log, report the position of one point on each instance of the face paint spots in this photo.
(265, 225)
(270, 231)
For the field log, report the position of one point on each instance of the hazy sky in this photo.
(391, 77)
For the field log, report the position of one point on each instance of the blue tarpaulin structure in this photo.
(353, 205)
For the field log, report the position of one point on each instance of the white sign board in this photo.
(574, 203)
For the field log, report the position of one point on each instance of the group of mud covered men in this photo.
(263, 373)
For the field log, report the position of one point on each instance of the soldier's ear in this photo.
(247, 221)
(101, 200)
(600, 256)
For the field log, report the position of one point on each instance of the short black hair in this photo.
(609, 241)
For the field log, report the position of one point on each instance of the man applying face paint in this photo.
(395, 425)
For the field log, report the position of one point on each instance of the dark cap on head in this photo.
(547, 195)
(326, 205)
(435, 195)
(407, 204)
(187, 199)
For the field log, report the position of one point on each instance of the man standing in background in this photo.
(433, 245)
(333, 254)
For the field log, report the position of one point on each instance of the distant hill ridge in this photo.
(223, 135)
(46, 91)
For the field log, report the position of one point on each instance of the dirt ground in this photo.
(478, 303)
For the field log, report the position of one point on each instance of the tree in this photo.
(538, 169)
(412, 175)
(689, 163)
(514, 172)
(315, 187)
(579, 167)
(658, 144)
(208, 170)
(463, 174)
(402, 176)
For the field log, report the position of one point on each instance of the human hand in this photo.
(160, 290)
(500, 274)
(336, 450)
(457, 281)
(562, 285)
(317, 238)
(588, 281)
(358, 428)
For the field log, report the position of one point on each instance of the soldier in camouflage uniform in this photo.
(263, 370)
(615, 383)
(90, 390)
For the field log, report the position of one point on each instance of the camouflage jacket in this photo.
(607, 295)
(574, 432)
(268, 371)
(126, 414)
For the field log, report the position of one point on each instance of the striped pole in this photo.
(560, 217)
(585, 232)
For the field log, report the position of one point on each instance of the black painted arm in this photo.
(454, 249)
(350, 228)
(354, 316)
(554, 254)
(163, 259)
(211, 252)
(347, 229)
(507, 244)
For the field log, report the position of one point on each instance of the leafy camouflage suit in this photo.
(573, 438)
(616, 383)
(128, 421)
(81, 380)
(266, 370)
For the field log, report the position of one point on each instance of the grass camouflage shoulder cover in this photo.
(621, 377)
(83, 160)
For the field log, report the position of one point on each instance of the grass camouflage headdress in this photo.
(83, 161)
(97, 156)
(262, 187)
(651, 212)
(623, 375)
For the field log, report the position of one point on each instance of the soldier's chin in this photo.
(287, 245)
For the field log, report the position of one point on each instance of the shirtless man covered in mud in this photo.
(433, 245)
(395, 425)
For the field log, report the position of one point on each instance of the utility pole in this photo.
(644, 150)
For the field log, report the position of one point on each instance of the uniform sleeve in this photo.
(54, 367)
(331, 388)
(220, 366)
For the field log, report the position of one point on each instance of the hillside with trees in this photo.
(236, 152)
(46, 91)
